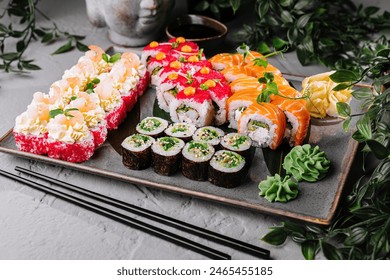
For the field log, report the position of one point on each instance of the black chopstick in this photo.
(96, 208)
(169, 221)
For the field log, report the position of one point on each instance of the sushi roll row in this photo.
(201, 154)
(284, 117)
(186, 85)
(92, 97)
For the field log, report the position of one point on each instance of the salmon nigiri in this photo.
(298, 120)
(265, 123)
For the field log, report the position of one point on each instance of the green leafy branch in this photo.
(25, 31)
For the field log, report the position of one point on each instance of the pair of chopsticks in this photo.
(132, 222)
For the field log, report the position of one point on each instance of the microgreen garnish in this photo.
(56, 112)
(204, 87)
(105, 57)
(175, 45)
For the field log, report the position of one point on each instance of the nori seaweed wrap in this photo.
(136, 151)
(152, 126)
(166, 155)
(239, 143)
(196, 158)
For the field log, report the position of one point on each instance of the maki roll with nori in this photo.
(239, 143)
(152, 126)
(183, 131)
(196, 158)
(166, 155)
(137, 152)
(209, 134)
(226, 169)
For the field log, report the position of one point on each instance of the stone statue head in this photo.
(130, 22)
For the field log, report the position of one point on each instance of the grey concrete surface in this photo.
(38, 226)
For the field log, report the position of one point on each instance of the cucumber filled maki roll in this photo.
(209, 134)
(137, 152)
(166, 155)
(196, 158)
(152, 126)
(226, 169)
(239, 143)
(183, 131)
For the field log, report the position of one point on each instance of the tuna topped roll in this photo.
(226, 169)
(209, 134)
(166, 155)
(183, 131)
(239, 143)
(137, 152)
(196, 157)
(152, 126)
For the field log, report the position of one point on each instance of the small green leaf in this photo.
(340, 87)
(343, 109)
(20, 46)
(286, 17)
(309, 249)
(30, 66)
(346, 124)
(380, 151)
(260, 62)
(214, 9)
(356, 237)
(9, 56)
(55, 112)
(303, 20)
(342, 76)
(362, 93)
(81, 47)
(330, 252)
(276, 236)
(64, 48)
(89, 90)
(47, 37)
(115, 58)
(95, 81)
(105, 57)
(279, 43)
(263, 8)
(263, 48)
(202, 6)
(364, 127)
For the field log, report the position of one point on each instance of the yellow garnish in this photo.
(160, 56)
(189, 91)
(173, 76)
(153, 44)
(180, 40)
(193, 58)
(175, 64)
(205, 70)
(186, 49)
(210, 83)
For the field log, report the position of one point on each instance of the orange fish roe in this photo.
(153, 44)
(189, 91)
(160, 56)
(193, 58)
(173, 76)
(186, 49)
(175, 64)
(205, 70)
(180, 40)
(210, 83)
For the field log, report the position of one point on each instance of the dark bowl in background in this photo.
(208, 33)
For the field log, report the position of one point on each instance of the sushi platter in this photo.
(108, 139)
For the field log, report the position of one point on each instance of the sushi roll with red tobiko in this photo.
(30, 131)
(166, 155)
(156, 65)
(153, 49)
(111, 102)
(192, 106)
(69, 138)
(172, 85)
(94, 115)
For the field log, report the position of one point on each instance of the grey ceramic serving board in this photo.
(316, 202)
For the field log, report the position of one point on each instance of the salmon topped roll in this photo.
(192, 106)
(247, 82)
(258, 71)
(264, 123)
(298, 120)
(234, 72)
(237, 103)
(222, 60)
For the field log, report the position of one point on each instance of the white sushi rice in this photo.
(234, 114)
(260, 135)
(290, 132)
(130, 145)
(199, 114)
(188, 128)
(229, 139)
(201, 133)
(218, 166)
(192, 154)
(157, 148)
(149, 120)
(164, 97)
